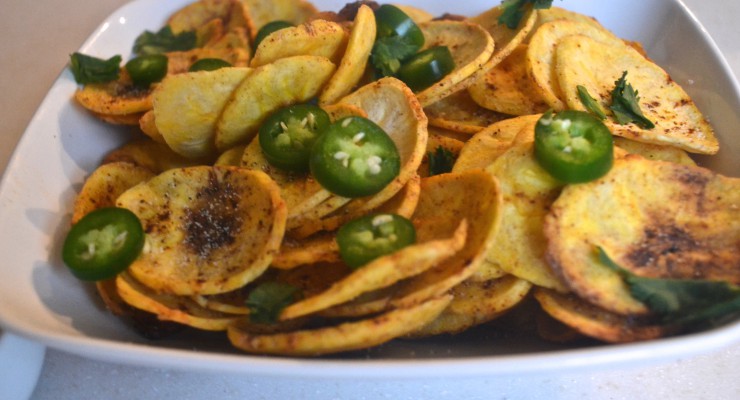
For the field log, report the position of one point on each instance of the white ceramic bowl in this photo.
(41, 300)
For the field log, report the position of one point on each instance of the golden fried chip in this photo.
(316, 38)
(187, 107)
(657, 219)
(149, 127)
(209, 229)
(458, 112)
(267, 88)
(263, 11)
(179, 62)
(553, 13)
(504, 38)
(115, 98)
(344, 337)
(654, 151)
(121, 119)
(678, 122)
(470, 45)
(541, 55)
(528, 191)
(441, 206)
(231, 157)
(485, 146)
(195, 15)
(353, 63)
(382, 272)
(105, 184)
(475, 303)
(596, 322)
(156, 157)
(170, 307)
(418, 15)
(507, 88)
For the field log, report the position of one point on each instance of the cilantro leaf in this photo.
(626, 106)
(590, 103)
(388, 53)
(268, 300)
(163, 41)
(513, 11)
(441, 161)
(680, 301)
(87, 69)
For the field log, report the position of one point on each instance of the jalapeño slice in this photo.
(426, 68)
(392, 21)
(267, 29)
(354, 158)
(367, 238)
(209, 64)
(573, 146)
(287, 136)
(145, 70)
(103, 243)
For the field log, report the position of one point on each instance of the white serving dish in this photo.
(40, 300)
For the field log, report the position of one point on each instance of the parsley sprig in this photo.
(681, 302)
(87, 69)
(514, 10)
(625, 105)
(441, 161)
(268, 300)
(164, 41)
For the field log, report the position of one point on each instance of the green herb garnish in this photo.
(441, 161)
(626, 106)
(388, 53)
(268, 300)
(513, 10)
(681, 302)
(87, 69)
(164, 41)
(590, 103)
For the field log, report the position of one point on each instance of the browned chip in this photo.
(316, 38)
(208, 230)
(655, 218)
(458, 112)
(344, 337)
(596, 322)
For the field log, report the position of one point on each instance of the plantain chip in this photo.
(230, 13)
(316, 38)
(170, 307)
(485, 146)
(595, 322)
(460, 113)
(597, 66)
(504, 38)
(655, 218)
(343, 337)
(149, 127)
(122, 119)
(546, 15)
(208, 230)
(116, 98)
(471, 46)
(105, 184)
(507, 88)
(267, 88)
(441, 206)
(654, 151)
(179, 62)
(231, 157)
(263, 11)
(156, 157)
(476, 302)
(382, 272)
(541, 55)
(187, 107)
(416, 14)
(354, 61)
(528, 191)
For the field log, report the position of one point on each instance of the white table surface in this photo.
(37, 38)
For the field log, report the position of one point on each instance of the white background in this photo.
(37, 37)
